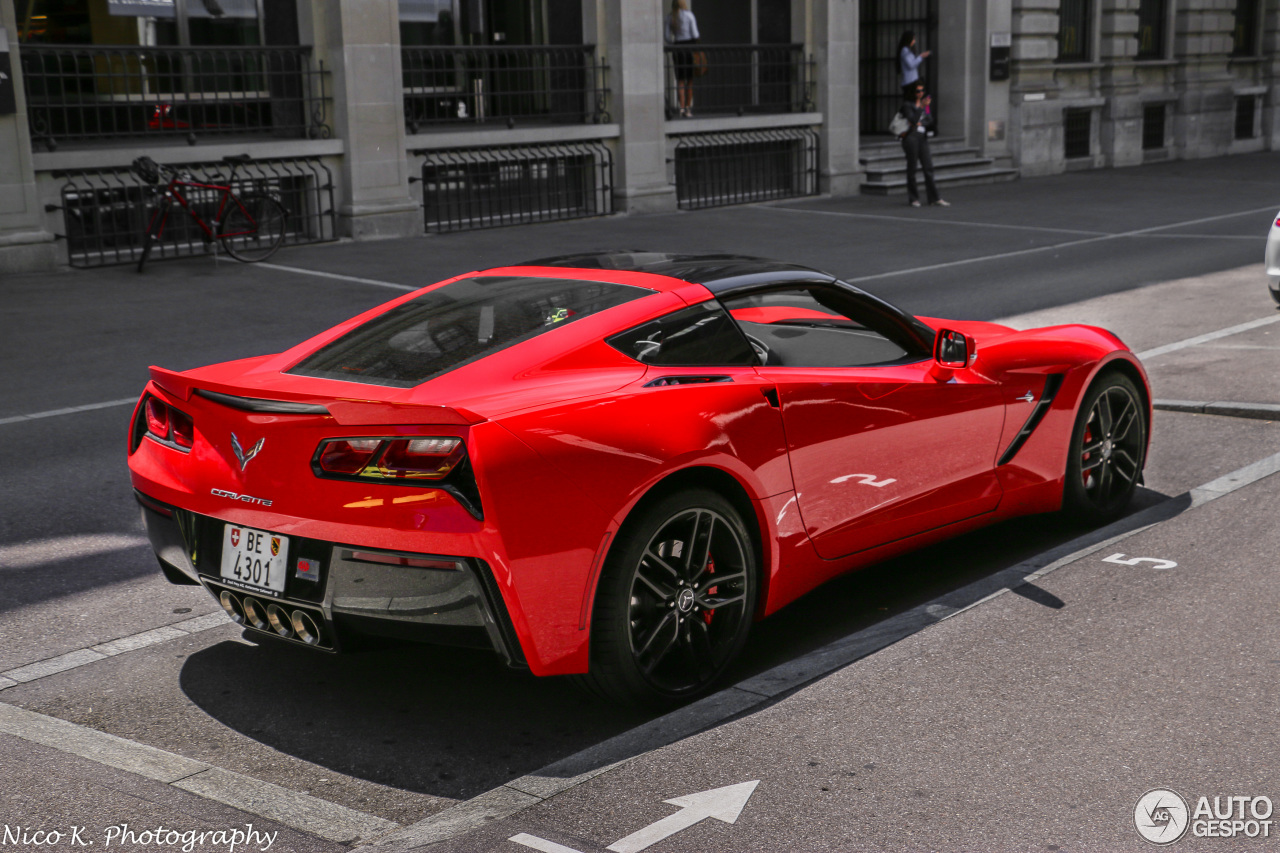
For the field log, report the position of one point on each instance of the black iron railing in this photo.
(94, 92)
(717, 169)
(487, 187)
(105, 212)
(739, 79)
(505, 85)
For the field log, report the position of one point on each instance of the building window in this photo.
(1073, 31)
(1246, 109)
(1077, 130)
(1246, 32)
(1153, 127)
(142, 22)
(1151, 19)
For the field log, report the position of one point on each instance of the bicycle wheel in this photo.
(154, 229)
(253, 228)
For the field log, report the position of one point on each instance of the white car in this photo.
(1273, 259)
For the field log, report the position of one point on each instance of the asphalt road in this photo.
(1160, 254)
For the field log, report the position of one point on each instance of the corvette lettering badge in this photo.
(240, 453)
(235, 496)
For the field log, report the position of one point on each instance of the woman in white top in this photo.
(682, 28)
(909, 62)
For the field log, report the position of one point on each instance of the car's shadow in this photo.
(455, 722)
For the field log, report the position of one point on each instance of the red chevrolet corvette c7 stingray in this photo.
(612, 464)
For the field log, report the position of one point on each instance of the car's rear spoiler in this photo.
(345, 411)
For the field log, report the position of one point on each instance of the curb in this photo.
(1256, 411)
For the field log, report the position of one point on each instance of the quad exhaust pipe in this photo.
(294, 624)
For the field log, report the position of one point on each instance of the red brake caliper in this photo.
(1088, 438)
(711, 570)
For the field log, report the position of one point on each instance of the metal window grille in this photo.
(1246, 28)
(477, 85)
(1151, 24)
(1153, 126)
(716, 169)
(1246, 109)
(1076, 132)
(105, 212)
(470, 188)
(1073, 31)
(882, 23)
(91, 92)
(740, 79)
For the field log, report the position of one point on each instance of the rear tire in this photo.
(253, 229)
(675, 602)
(1108, 450)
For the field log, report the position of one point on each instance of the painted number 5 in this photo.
(1156, 563)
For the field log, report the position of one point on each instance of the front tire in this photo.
(675, 602)
(254, 228)
(1108, 450)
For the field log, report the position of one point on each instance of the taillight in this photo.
(168, 425)
(347, 455)
(428, 458)
(421, 458)
(440, 460)
(157, 418)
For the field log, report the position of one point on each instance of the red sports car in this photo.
(613, 464)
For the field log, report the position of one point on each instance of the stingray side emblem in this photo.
(240, 452)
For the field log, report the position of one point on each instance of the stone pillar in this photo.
(25, 243)
(834, 44)
(1204, 125)
(359, 41)
(990, 125)
(636, 78)
(1270, 71)
(1121, 129)
(1035, 116)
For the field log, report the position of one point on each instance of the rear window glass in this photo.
(457, 324)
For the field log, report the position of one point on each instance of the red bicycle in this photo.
(250, 227)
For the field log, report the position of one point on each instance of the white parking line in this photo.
(519, 794)
(916, 219)
(1208, 336)
(1055, 246)
(68, 411)
(291, 808)
(375, 282)
(92, 654)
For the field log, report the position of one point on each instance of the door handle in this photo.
(771, 394)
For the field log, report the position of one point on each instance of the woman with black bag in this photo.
(915, 144)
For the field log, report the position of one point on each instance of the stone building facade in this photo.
(380, 118)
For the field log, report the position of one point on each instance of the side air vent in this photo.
(1051, 386)
(254, 404)
(663, 381)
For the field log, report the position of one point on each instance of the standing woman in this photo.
(682, 29)
(909, 62)
(915, 144)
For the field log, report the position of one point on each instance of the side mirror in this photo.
(952, 349)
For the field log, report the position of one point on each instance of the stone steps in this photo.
(954, 164)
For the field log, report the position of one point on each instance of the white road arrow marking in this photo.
(723, 804)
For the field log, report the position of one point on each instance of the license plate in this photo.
(253, 558)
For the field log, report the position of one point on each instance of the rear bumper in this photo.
(355, 592)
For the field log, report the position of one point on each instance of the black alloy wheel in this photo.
(1108, 450)
(675, 602)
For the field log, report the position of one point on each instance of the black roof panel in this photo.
(717, 272)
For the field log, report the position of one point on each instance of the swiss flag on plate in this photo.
(235, 537)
